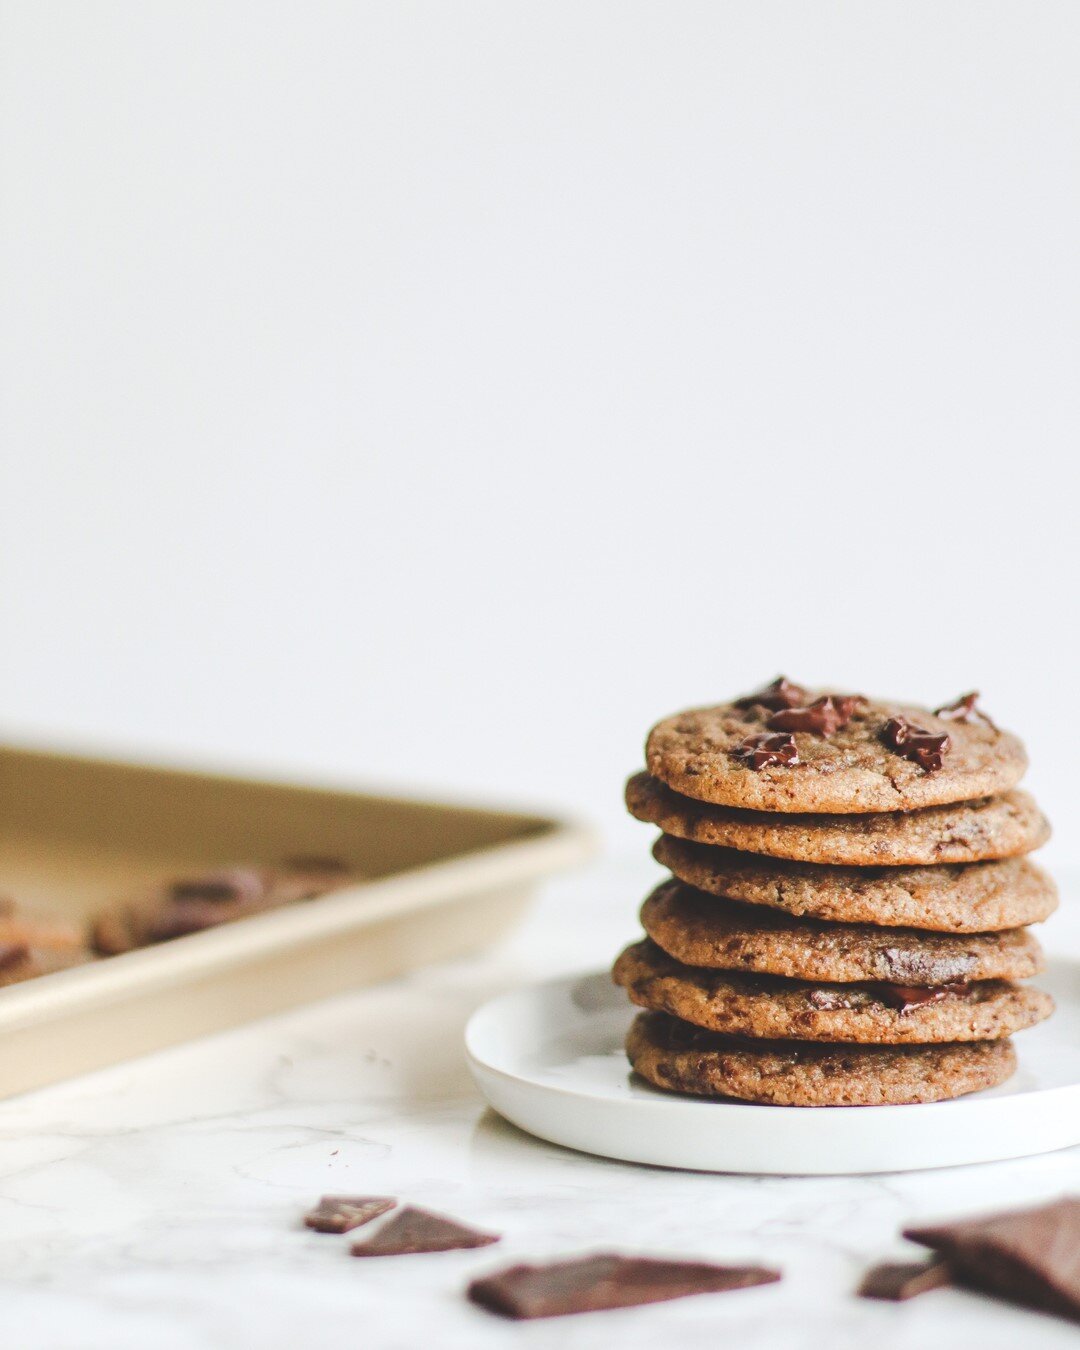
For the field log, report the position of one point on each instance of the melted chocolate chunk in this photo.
(595, 1283)
(916, 743)
(342, 1213)
(903, 1280)
(965, 710)
(780, 694)
(418, 1230)
(763, 750)
(825, 716)
(904, 997)
(1030, 1256)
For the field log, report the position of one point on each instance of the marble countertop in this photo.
(159, 1203)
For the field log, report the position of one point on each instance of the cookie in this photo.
(681, 1058)
(19, 963)
(33, 944)
(994, 827)
(706, 931)
(950, 898)
(858, 755)
(777, 1009)
(50, 932)
(210, 898)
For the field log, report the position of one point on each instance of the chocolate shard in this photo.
(965, 709)
(761, 751)
(418, 1230)
(904, 997)
(595, 1283)
(1028, 1256)
(903, 1280)
(824, 716)
(342, 1213)
(780, 694)
(916, 743)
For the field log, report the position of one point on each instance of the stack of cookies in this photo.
(847, 918)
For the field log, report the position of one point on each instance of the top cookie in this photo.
(792, 749)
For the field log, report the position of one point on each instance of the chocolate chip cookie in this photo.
(703, 930)
(993, 827)
(778, 1009)
(950, 898)
(681, 1058)
(834, 753)
(207, 899)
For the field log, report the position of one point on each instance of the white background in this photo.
(436, 394)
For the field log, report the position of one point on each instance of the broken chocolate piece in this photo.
(418, 1230)
(903, 1280)
(1029, 1256)
(595, 1283)
(916, 743)
(761, 751)
(342, 1213)
(780, 694)
(904, 997)
(825, 716)
(965, 710)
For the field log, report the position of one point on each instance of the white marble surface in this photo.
(158, 1204)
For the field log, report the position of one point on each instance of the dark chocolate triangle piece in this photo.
(418, 1230)
(1029, 1256)
(904, 1280)
(595, 1283)
(342, 1213)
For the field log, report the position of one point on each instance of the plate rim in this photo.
(481, 1065)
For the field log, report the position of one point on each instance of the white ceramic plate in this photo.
(549, 1058)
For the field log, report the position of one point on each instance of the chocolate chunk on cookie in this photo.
(854, 755)
(993, 827)
(681, 1058)
(778, 1009)
(950, 898)
(707, 931)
